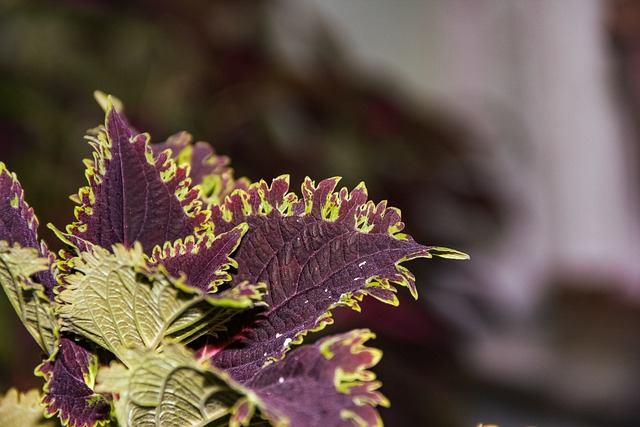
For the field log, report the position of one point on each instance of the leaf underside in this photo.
(118, 301)
(17, 266)
(23, 410)
(168, 388)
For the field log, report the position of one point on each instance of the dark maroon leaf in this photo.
(205, 261)
(207, 169)
(175, 144)
(326, 250)
(204, 162)
(200, 156)
(323, 385)
(68, 389)
(18, 224)
(132, 196)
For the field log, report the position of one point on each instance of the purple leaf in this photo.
(18, 224)
(204, 161)
(68, 390)
(325, 250)
(201, 156)
(132, 196)
(175, 144)
(323, 385)
(207, 169)
(204, 261)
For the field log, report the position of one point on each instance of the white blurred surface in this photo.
(532, 77)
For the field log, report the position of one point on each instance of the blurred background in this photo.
(508, 129)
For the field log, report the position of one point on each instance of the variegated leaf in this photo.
(69, 385)
(203, 261)
(23, 410)
(132, 196)
(168, 387)
(119, 301)
(19, 225)
(325, 250)
(326, 384)
(17, 267)
(206, 168)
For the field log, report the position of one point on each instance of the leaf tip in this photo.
(106, 101)
(448, 253)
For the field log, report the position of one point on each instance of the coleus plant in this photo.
(184, 294)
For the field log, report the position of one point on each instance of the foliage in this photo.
(184, 294)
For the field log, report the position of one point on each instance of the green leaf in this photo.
(120, 301)
(23, 410)
(168, 387)
(27, 297)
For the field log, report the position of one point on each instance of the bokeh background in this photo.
(507, 129)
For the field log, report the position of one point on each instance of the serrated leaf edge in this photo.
(192, 244)
(33, 263)
(188, 196)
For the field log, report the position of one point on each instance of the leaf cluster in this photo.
(184, 293)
